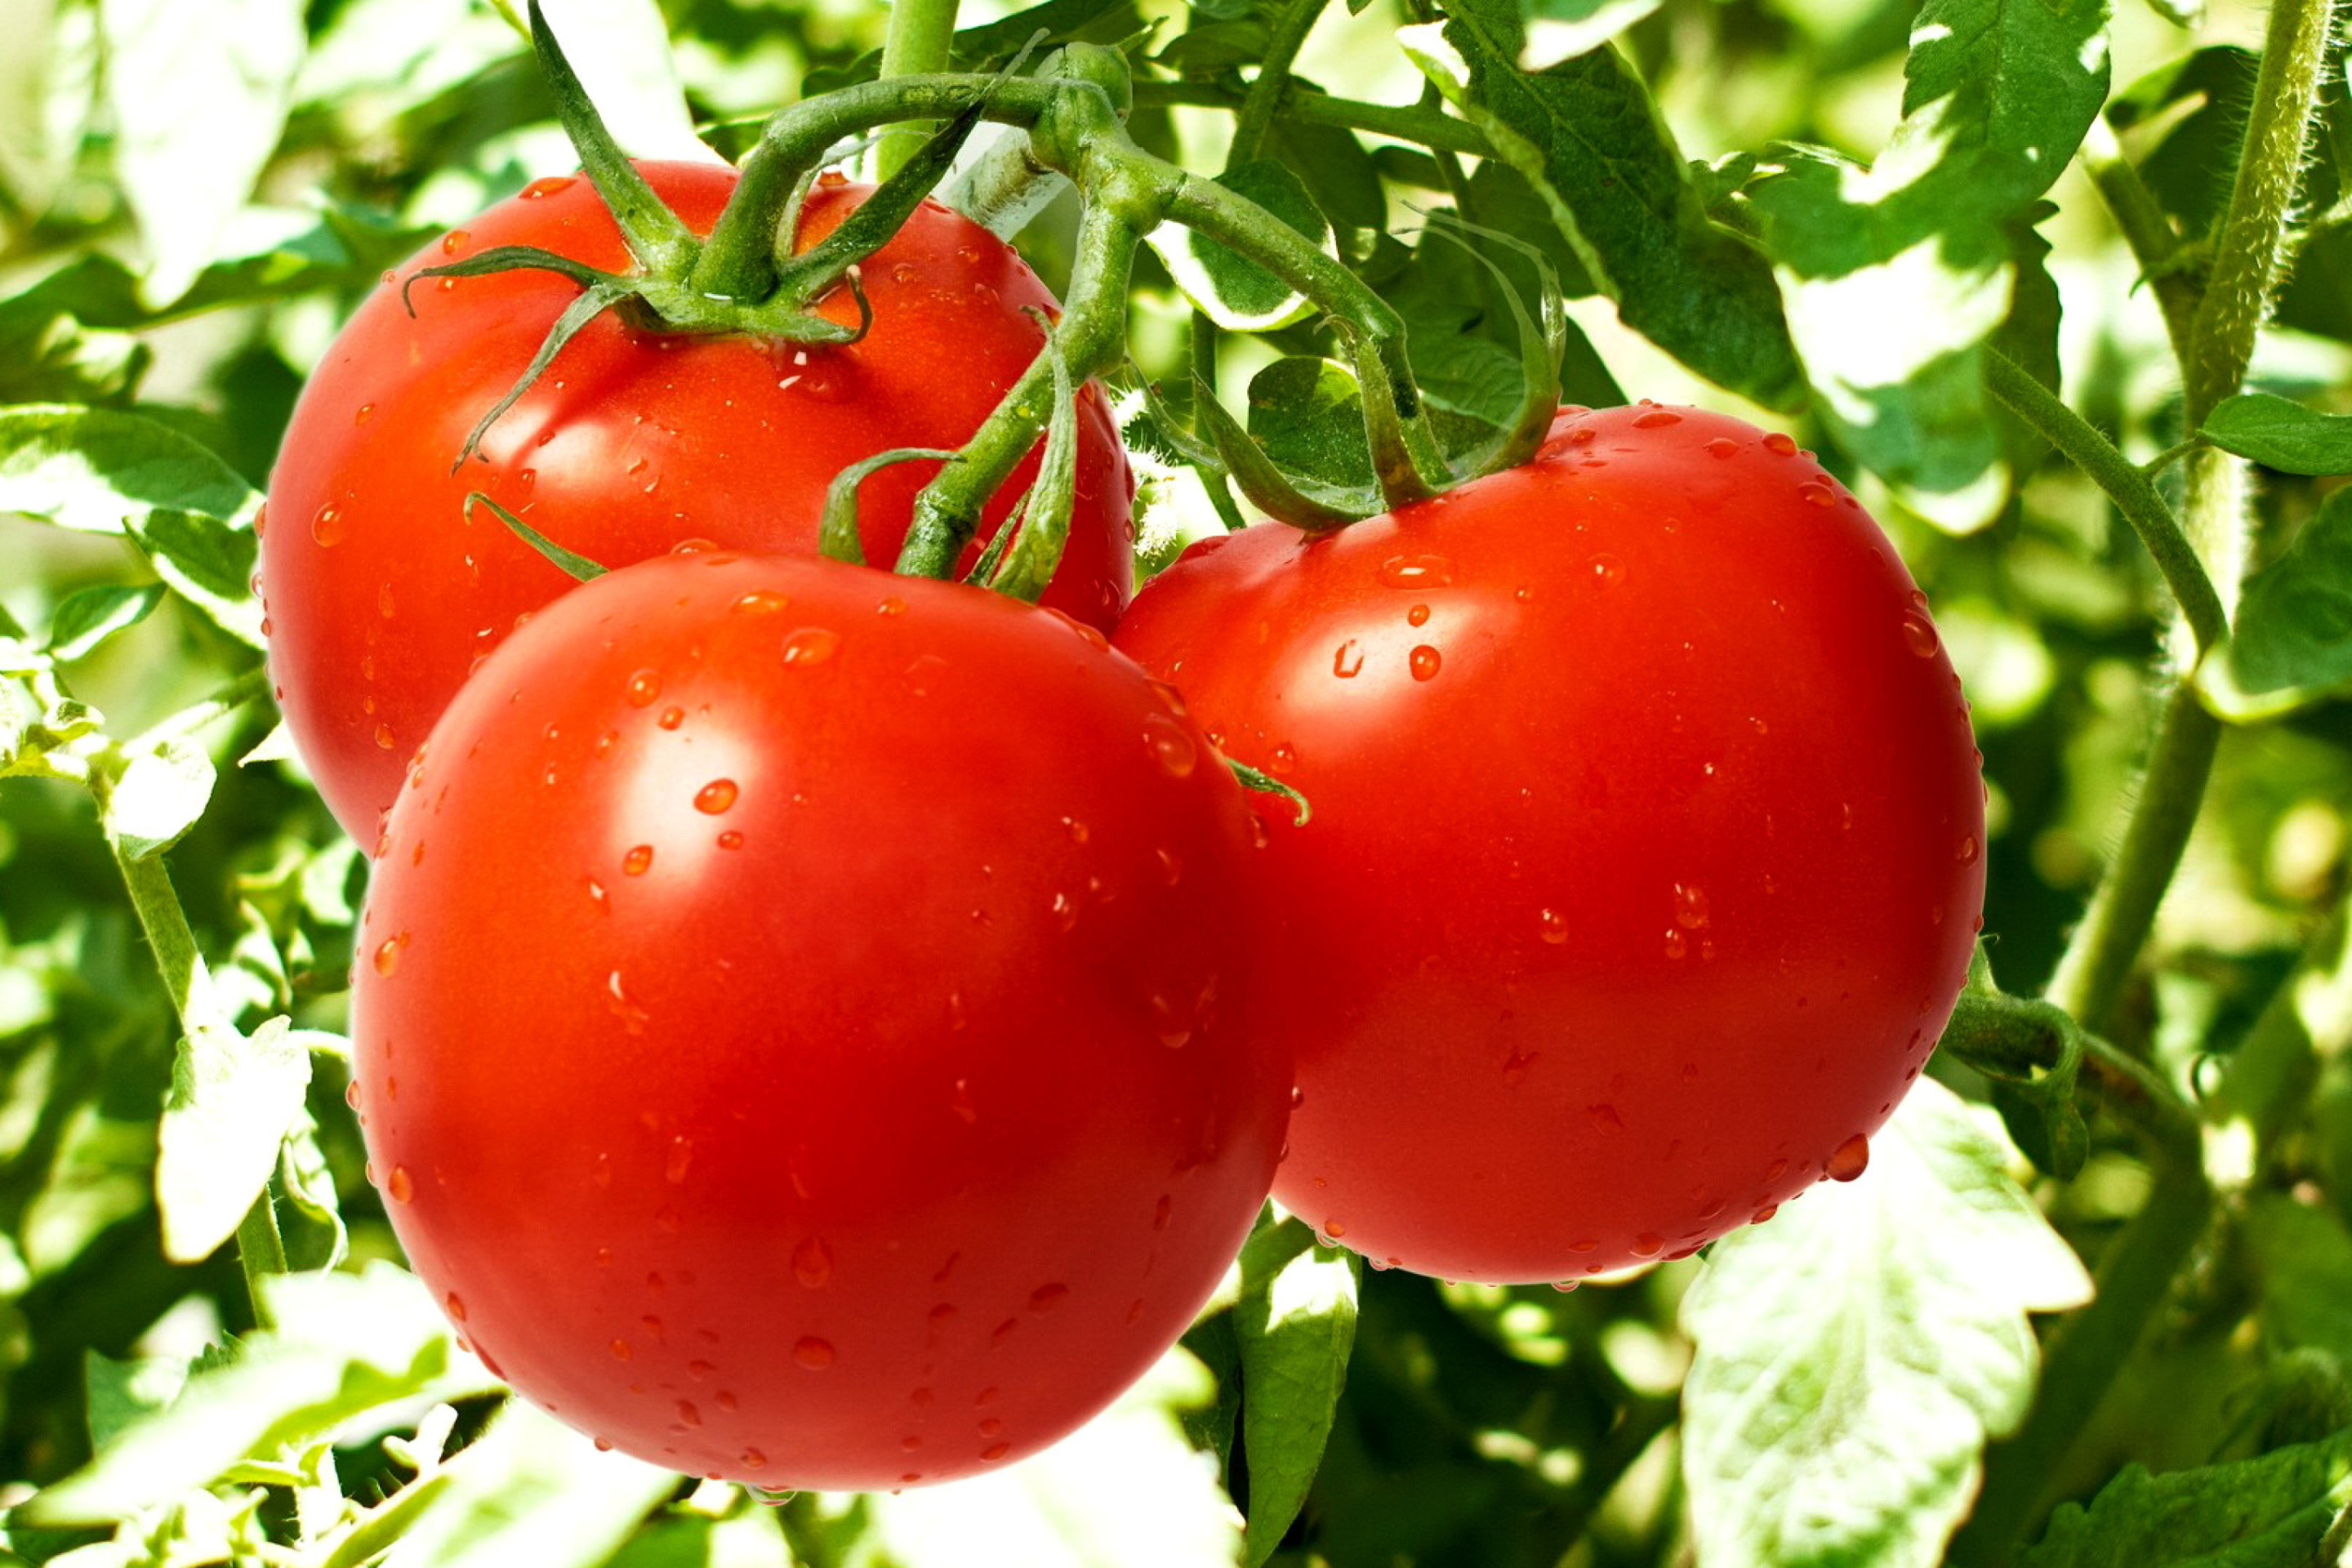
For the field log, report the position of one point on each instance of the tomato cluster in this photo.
(819, 1027)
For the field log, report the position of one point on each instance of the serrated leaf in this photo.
(1586, 134)
(229, 67)
(1897, 276)
(233, 1099)
(530, 1489)
(1239, 295)
(2268, 1512)
(1125, 1490)
(2279, 433)
(158, 796)
(1308, 414)
(208, 563)
(347, 1346)
(2292, 640)
(1855, 1354)
(86, 618)
(91, 468)
(1295, 1324)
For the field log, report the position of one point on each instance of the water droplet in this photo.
(631, 1016)
(1723, 447)
(752, 1459)
(1553, 925)
(1649, 1244)
(1690, 906)
(813, 1354)
(715, 796)
(1919, 634)
(961, 1104)
(637, 860)
(1656, 418)
(1781, 444)
(1284, 758)
(387, 954)
(1608, 572)
(995, 1451)
(1516, 1065)
(1347, 660)
(730, 839)
(681, 1156)
(1334, 1229)
(1075, 829)
(1767, 1212)
(687, 1415)
(1002, 1332)
(1416, 571)
(761, 602)
(456, 1304)
(698, 1370)
(1849, 1158)
(644, 686)
(601, 1173)
(1045, 1298)
(1066, 912)
(401, 1187)
(1424, 662)
(810, 646)
(1677, 944)
(1967, 852)
(1171, 745)
(537, 189)
(327, 527)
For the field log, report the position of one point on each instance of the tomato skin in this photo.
(381, 592)
(1647, 851)
(801, 1027)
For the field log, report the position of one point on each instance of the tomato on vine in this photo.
(801, 1029)
(384, 588)
(1647, 846)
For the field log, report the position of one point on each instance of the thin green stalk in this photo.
(1423, 126)
(2154, 243)
(921, 39)
(2125, 484)
(1291, 25)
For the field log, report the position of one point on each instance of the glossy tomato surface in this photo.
(800, 1024)
(1647, 851)
(381, 589)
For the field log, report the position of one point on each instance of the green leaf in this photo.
(87, 617)
(2303, 1264)
(158, 796)
(1897, 276)
(309, 1219)
(233, 1099)
(1296, 1324)
(530, 1489)
(1237, 294)
(2268, 1512)
(2280, 434)
(228, 65)
(348, 1348)
(208, 563)
(47, 356)
(48, 79)
(1308, 414)
(1125, 1490)
(92, 469)
(1854, 1353)
(1339, 173)
(1585, 133)
(2292, 642)
(122, 1392)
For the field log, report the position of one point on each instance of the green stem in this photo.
(2270, 172)
(921, 37)
(2125, 484)
(2134, 1280)
(1090, 338)
(2154, 243)
(1424, 126)
(1291, 25)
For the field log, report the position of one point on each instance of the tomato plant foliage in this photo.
(901, 1000)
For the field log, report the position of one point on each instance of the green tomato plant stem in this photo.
(1292, 23)
(2154, 242)
(2125, 485)
(1422, 125)
(921, 34)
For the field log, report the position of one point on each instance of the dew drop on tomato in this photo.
(644, 686)
(813, 1263)
(810, 646)
(1424, 662)
(327, 527)
(715, 797)
(1171, 746)
(1918, 635)
(1781, 444)
(1849, 1160)
(813, 1354)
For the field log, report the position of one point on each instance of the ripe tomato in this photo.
(383, 592)
(1646, 844)
(800, 1028)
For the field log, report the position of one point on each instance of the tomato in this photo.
(1647, 846)
(383, 592)
(801, 1024)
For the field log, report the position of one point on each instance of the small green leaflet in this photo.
(233, 1097)
(1856, 1353)
(208, 563)
(1296, 1322)
(2292, 642)
(1898, 274)
(2280, 434)
(1240, 296)
(1586, 134)
(2303, 1265)
(2267, 1512)
(87, 618)
(158, 796)
(91, 469)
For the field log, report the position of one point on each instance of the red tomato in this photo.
(1646, 850)
(381, 592)
(797, 1027)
